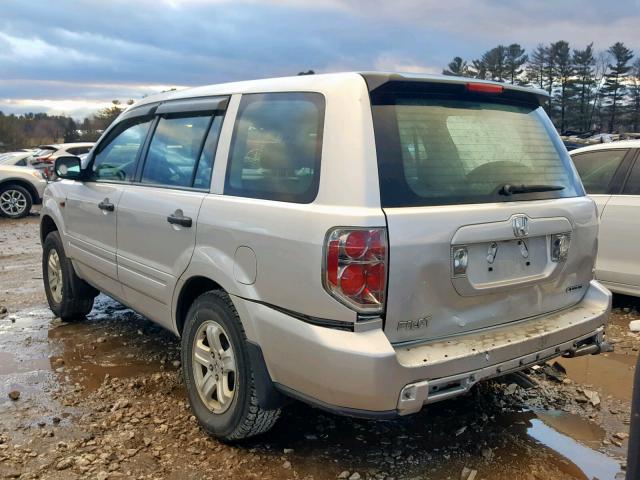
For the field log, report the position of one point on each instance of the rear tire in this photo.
(215, 359)
(15, 201)
(69, 297)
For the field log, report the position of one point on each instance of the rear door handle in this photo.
(106, 205)
(177, 218)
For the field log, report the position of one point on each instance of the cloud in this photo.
(89, 51)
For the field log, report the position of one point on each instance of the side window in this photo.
(597, 168)
(174, 150)
(116, 160)
(632, 186)
(21, 163)
(78, 150)
(276, 147)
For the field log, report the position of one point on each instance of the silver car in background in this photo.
(21, 186)
(365, 242)
(610, 173)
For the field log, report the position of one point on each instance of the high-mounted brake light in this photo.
(484, 88)
(355, 267)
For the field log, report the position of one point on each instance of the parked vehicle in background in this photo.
(19, 159)
(20, 186)
(569, 145)
(256, 220)
(45, 156)
(610, 173)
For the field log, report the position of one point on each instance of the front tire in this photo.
(217, 371)
(15, 201)
(69, 297)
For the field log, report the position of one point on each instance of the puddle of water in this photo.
(612, 373)
(88, 362)
(573, 426)
(589, 463)
(569, 438)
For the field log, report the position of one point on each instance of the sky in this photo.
(75, 56)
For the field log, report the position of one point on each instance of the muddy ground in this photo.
(104, 398)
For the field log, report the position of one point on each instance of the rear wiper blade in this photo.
(509, 189)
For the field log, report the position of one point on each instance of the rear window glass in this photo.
(435, 151)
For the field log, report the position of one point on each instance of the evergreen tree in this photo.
(563, 73)
(494, 62)
(615, 86)
(584, 62)
(550, 78)
(515, 59)
(457, 67)
(634, 90)
(478, 69)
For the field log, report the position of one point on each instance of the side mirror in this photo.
(68, 167)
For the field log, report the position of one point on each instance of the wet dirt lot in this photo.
(104, 398)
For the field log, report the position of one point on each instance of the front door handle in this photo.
(177, 218)
(106, 205)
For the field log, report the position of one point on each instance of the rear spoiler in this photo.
(379, 82)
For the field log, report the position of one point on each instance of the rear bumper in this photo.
(363, 374)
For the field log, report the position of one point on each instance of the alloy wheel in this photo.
(214, 367)
(13, 202)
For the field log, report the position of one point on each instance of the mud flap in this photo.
(268, 397)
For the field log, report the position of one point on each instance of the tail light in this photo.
(355, 267)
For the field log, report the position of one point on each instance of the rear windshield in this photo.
(438, 151)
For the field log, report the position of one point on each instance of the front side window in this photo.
(116, 160)
(438, 151)
(276, 147)
(174, 150)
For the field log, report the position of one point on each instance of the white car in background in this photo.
(611, 176)
(18, 158)
(21, 186)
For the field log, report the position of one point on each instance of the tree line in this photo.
(588, 91)
(33, 129)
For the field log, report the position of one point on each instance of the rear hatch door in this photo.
(488, 223)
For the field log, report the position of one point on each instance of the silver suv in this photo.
(365, 242)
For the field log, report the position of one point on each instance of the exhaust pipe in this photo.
(591, 346)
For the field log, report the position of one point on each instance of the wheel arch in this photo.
(35, 198)
(47, 225)
(191, 289)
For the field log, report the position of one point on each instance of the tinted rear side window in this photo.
(276, 147)
(597, 168)
(437, 151)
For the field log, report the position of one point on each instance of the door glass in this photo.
(116, 161)
(597, 168)
(633, 183)
(174, 151)
(205, 165)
